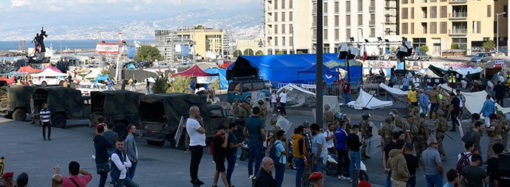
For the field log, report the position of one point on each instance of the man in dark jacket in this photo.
(264, 177)
(101, 145)
(499, 91)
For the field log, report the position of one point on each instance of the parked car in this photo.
(480, 56)
(87, 88)
(163, 65)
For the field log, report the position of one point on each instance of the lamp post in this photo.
(497, 31)
(318, 79)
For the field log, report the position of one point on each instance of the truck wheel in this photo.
(59, 121)
(19, 115)
(44, 84)
(121, 128)
(156, 143)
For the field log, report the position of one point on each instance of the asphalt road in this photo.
(24, 150)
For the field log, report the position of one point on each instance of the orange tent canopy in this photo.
(29, 69)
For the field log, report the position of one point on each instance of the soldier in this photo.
(504, 128)
(329, 117)
(366, 132)
(386, 132)
(246, 106)
(420, 135)
(274, 128)
(441, 127)
(396, 119)
(408, 130)
(263, 111)
(494, 133)
(236, 108)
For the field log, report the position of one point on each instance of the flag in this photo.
(365, 56)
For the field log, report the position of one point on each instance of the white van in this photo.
(47, 80)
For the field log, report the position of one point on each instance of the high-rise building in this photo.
(205, 42)
(459, 25)
(290, 25)
(166, 42)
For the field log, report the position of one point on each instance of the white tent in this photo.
(475, 100)
(394, 91)
(365, 100)
(93, 74)
(49, 73)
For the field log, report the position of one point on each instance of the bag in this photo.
(467, 136)
(463, 162)
(103, 168)
(272, 153)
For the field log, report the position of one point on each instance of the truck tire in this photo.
(121, 128)
(19, 115)
(59, 121)
(156, 143)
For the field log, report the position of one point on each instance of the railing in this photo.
(459, 30)
(459, 15)
(458, 1)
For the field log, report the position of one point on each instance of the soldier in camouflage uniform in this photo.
(441, 127)
(421, 135)
(366, 132)
(494, 133)
(504, 128)
(408, 128)
(274, 128)
(329, 117)
(396, 119)
(386, 132)
(263, 111)
(246, 108)
(236, 108)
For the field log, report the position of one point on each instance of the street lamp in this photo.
(497, 31)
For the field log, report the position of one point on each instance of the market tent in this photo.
(194, 71)
(476, 100)
(54, 68)
(49, 73)
(474, 73)
(29, 69)
(93, 74)
(222, 74)
(330, 75)
(284, 68)
(365, 100)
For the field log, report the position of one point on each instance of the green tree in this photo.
(180, 84)
(259, 52)
(455, 46)
(489, 45)
(105, 72)
(148, 53)
(299, 52)
(424, 48)
(160, 86)
(215, 85)
(280, 52)
(248, 52)
(199, 27)
(237, 53)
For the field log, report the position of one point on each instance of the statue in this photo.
(40, 48)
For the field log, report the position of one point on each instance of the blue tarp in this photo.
(101, 78)
(284, 68)
(222, 74)
(330, 75)
(131, 66)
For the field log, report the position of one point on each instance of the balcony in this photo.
(458, 16)
(460, 31)
(458, 1)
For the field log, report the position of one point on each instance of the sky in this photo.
(16, 14)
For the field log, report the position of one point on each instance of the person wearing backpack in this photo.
(464, 158)
(279, 153)
(473, 175)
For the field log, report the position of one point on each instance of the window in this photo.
(283, 4)
(290, 16)
(443, 27)
(348, 20)
(276, 29)
(291, 29)
(275, 4)
(360, 19)
(348, 34)
(325, 21)
(412, 28)
(325, 34)
(283, 16)
(290, 4)
(283, 41)
(372, 32)
(404, 1)
(276, 16)
(424, 28)
(275, 41)
(337, 34)
(444, 10)
(433, 27)
(360, 5)
(433, 12)
(337, 7)
(462, 42)
(424, 12)
(417, 42)
(479, 27)
(412, 13)
(404, 28)
(348, 6)
(283, 28)
(489, 11)
(337, 20)
(291, 41)
(325, 7)
(404, 13)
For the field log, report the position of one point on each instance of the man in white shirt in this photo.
(283, 100)
(120, 166)
(330, 137)
(196, 132)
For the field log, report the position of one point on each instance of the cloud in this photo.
(20, 3)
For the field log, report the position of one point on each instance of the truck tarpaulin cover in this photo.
(285, 68)
(173, 105)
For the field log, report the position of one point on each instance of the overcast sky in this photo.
(27, 13)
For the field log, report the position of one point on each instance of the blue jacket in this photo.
(424, 100)
(341, 139)
(405, 81)
(488, 108)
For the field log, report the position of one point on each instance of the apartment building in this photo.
(166, 40)
(446, 25)
(290, 25)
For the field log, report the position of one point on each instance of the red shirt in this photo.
(346, 88)
(82, 181)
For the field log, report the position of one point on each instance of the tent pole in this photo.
(318, 80)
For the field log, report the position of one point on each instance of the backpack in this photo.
(467, 136)
(463, 162)
(272, 153)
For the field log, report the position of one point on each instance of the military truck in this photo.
(118, 107)
(64, 103)
(15, 101)
(161, 113)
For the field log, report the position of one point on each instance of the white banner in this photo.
(107, 48)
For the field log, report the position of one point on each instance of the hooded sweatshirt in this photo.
(298, 145)
(398, 165)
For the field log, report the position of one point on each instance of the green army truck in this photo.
(161, 114)
(64, 103)
(15, 101)
(119, 107)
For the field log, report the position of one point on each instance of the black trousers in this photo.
(282, 109)
(343, 162)
(196, 156)
(44, 125)
(455, 121)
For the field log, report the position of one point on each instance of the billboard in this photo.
(107, 48)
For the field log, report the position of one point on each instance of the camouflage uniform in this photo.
(420, 136)
(366, 131)
(386, 132)
(494, 136)
(397, 120)
(246, 108)
(441, 127)
(504, 131)
(263, 111)
(329, 117)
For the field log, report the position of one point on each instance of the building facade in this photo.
(166, 40)
(290, 25)
(256, 45)
(207, 42)
(446, 25)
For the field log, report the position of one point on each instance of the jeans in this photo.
(343, 162)
(433, 109)
(300, 169)
(231, 161)
(254, 155)
(102, 179)
(46, 124)
(279, 172)
(434, 180)
(424, 109)
(347, 97)
(125, 182)
(196, 156)
(131, 171)
(318, 166)
(355, 161)
(388, 180)
(275, 109)
(412, 181)
(405, 88)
